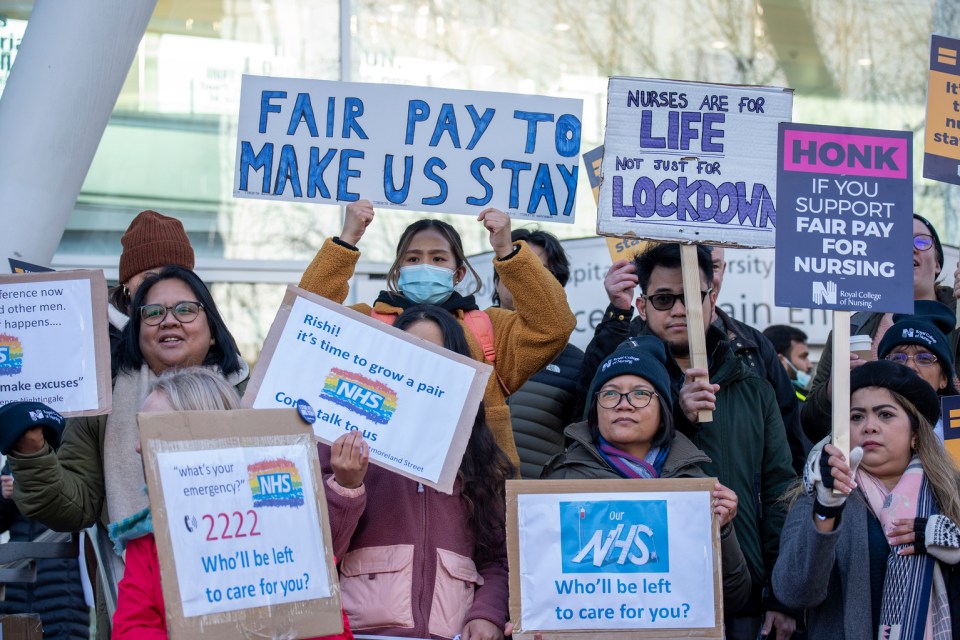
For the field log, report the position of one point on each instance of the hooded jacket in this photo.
(526, 340)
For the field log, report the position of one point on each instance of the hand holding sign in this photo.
(697, 394)
(349, 458)
(620, 283)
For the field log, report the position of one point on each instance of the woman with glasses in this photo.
(97, 475)
(815, 415)
(629, 433)
(919, 342)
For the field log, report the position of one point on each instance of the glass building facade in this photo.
(170, 144)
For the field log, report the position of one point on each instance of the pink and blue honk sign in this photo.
(845, 219)
(619, 536)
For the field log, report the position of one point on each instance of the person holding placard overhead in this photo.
(96, 475)
(415, 562)
(430, 263)
(141, 614)
(927, 264)
(746, 441)
(629, 433)
(872, 544)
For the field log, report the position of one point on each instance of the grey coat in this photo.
(582, 461)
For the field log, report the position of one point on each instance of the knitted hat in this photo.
(926, 328)
(16, 418)
(933, 234)
(903, 380)
(151, 241)
(642, 356)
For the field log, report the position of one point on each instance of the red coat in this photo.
(140, 612)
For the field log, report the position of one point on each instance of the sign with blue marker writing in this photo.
(411, 148)
(413, 401)
(845, 198)
(613, 559)
(691, 162)
(241, 524)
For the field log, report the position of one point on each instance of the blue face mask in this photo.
(424, 284)
(803, 378)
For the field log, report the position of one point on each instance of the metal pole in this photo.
(63, 86)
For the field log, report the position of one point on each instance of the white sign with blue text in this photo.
(411, 148)
(691, 162)
(630, 555)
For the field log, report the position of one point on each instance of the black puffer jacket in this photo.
(542, 408)
(57, 595)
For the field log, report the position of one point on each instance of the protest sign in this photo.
(614, 559)
(941, 152)
(619, 248)
(54, 346)
(19, 266)
(950, 416)
(414, 402)
(844, 238)
(412, 148)
(691, 162)
(241, 524)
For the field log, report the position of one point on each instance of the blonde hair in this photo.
(197, 389)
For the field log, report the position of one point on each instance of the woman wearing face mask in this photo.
(430, 263)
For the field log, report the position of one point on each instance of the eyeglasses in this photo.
(638, 398)
(184, 311)
(665, 301)
(922, 359)
(922, 242)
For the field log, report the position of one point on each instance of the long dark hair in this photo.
(447, 231)
(484, 468)
(223, 352)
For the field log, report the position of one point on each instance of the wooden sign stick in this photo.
(840, 379)
(696, 336)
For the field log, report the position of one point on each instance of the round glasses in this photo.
(184, 311)
(665, 301)
(638, 398)
(922, 242)
(922, 359)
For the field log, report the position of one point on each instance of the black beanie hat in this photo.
(927, 327)
(933, 234)
(16, 418)
(903, 380)
(642, 356)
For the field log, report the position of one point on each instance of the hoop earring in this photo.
(126, 291)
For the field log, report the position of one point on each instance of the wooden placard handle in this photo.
(696, 336)
(840, 379)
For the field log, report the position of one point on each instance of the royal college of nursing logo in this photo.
(621, 536)
(371, 399)
(11, 355)
(275, 483)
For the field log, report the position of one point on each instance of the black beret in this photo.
(16, 418)
(901, 379)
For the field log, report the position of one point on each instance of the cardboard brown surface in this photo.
(21, 627)
(519, 487)
(468, 411)
(205, 430)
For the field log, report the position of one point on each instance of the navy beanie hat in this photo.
(927, 327)
(642, 356)
(903, 380)
(16, 418)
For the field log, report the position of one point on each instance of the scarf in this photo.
(629, 466)
(914, 605)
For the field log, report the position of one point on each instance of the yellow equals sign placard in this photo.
(954, 418)
(946, 56)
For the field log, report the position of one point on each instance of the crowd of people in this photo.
(813, 541)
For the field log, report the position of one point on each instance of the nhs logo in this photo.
(621, 536)
(275, 483)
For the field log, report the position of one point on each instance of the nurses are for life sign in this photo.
(613, 559)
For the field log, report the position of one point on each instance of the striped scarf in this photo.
(629, 466)
(914, 604)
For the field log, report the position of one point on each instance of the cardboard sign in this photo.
(845, 198)
(950, 415)
(54, 345)
(411, 148)
(691, 162)
(241, 524)
(614, 559)
(941, 152)
(414, 402)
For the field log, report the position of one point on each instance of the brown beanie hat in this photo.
(151, 241)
